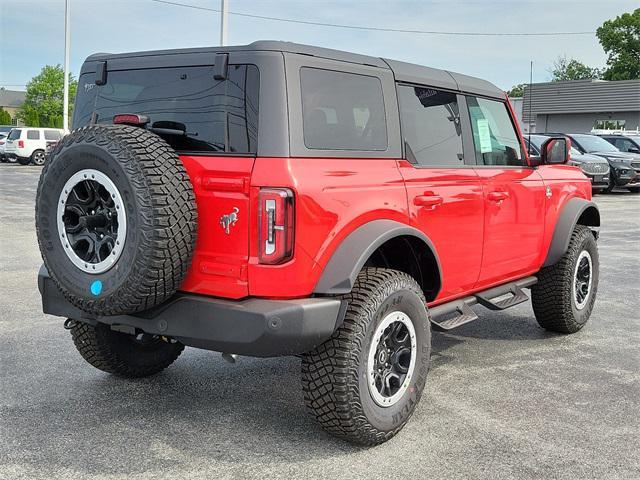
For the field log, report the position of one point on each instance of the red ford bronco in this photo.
(281, 199)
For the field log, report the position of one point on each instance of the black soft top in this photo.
(403, 72)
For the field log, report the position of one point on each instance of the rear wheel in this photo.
(364, 383)
(38, 157)
(122, 354)
(565, 293)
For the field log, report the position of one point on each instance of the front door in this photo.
(444, 194)
(514, 195)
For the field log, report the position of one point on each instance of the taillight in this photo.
(1, 142)
(20, 143)
(276, 225)
(130, 119)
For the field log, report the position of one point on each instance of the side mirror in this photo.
(556, 150)
(633, 150)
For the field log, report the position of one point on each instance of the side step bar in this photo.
(497, 298)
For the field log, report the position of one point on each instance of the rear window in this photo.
(14, 134)
(342, 111)
(187, 107)
(52, 135)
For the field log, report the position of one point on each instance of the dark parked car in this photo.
(625, 166)
(594, 167)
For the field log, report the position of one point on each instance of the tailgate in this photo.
(221, 186)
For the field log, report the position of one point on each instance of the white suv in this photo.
(27, 145)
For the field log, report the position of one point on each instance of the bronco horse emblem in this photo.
(229, 220)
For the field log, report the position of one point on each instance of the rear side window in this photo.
(342, 111)
(185, 105)
(623, 144)
(52, 135)
(430, 126)
(33, 135)
(14, 134)
(494, 136)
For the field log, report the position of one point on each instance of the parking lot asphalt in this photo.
(504, 398)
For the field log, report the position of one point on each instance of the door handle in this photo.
(497, 196)
(427, 200)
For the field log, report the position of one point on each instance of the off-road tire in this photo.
(161, 218)
(120, 354)
(553, 298)
(334, 376)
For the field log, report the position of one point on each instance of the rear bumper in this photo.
(254, 327)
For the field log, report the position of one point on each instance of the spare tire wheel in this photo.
(116, 219)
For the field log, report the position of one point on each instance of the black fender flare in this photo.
(339, 275)
(573, 210)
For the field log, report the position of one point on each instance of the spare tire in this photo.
(116, 219)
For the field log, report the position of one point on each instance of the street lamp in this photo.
(224, 21)
(67, 40)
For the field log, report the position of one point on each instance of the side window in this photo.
(33, 135)
(494, 136)
(623, 144)
(430, 121)
(342, 111)
(52, 135)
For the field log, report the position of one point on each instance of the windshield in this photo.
(591, 143)
(538, 140)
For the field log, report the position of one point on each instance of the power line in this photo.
(378, 29)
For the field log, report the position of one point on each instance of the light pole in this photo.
(67, 41)
(224, 21)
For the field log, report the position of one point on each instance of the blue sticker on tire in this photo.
(96, 287)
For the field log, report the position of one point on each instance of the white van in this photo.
(27, 145)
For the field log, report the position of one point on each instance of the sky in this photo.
(32, 31)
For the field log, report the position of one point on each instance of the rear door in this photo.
(213, 125)
(514, 194)
(444, 192)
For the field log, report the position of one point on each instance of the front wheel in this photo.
(364, 383)
(122, 354)
(565, 293)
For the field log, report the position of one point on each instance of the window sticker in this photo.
(485, 135)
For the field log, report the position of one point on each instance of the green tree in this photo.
(571, 69)
(620, 39)
(5, 118)
(517, 90)
(43, 103)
